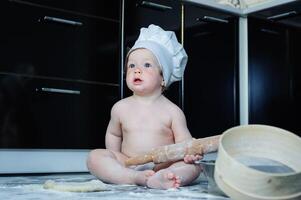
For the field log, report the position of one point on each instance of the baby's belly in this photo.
(138, 146)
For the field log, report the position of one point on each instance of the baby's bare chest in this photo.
(154, 120)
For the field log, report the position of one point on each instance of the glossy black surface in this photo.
(58, 44)
(43, 113)
(274, 74)
(59, 73)
(105, 9)
(295, 62)
(138, 14)
(284, 14)
(211, 84)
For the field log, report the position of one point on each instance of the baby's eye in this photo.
(131, 66)
(147, 65)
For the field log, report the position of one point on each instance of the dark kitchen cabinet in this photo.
(211, 77)
(38, 113)
(108, 10)
(269, 76)
(274, 74)
(58, 44)
(295, 62)
(274, 66)
(59, 72)
(138, 14)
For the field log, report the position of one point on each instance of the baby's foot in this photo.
(164, 179)
(141, 177)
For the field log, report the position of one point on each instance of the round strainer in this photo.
(259, 162)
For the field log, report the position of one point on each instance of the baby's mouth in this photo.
(137, 80)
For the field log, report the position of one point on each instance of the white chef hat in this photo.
(166, 48)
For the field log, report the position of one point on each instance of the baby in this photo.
(147, 119)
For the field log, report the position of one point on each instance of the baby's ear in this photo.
(163, 83)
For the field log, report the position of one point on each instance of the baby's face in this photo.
(143, 72)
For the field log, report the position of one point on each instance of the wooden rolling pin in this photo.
(175, 152)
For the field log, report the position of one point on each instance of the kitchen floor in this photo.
(27, 187)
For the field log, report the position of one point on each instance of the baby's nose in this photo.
(138, 70)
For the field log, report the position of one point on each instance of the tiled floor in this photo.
(31, 188)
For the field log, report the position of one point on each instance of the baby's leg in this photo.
(109, 167)
(178, 174)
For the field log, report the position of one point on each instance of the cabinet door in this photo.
(57, 43)
(53, 114)
(138, 14)
(274, 62)
(59, 74)
(210, 102)
(295, 62)
(269, 74)
(106, 9)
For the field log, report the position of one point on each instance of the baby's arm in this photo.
(179, 126)
(181, 133)
(114, 133)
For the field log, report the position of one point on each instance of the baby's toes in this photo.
(177, 182)
(170, 176)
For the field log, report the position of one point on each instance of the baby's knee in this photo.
(95, 156)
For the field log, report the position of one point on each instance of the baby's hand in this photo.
(190, 159)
